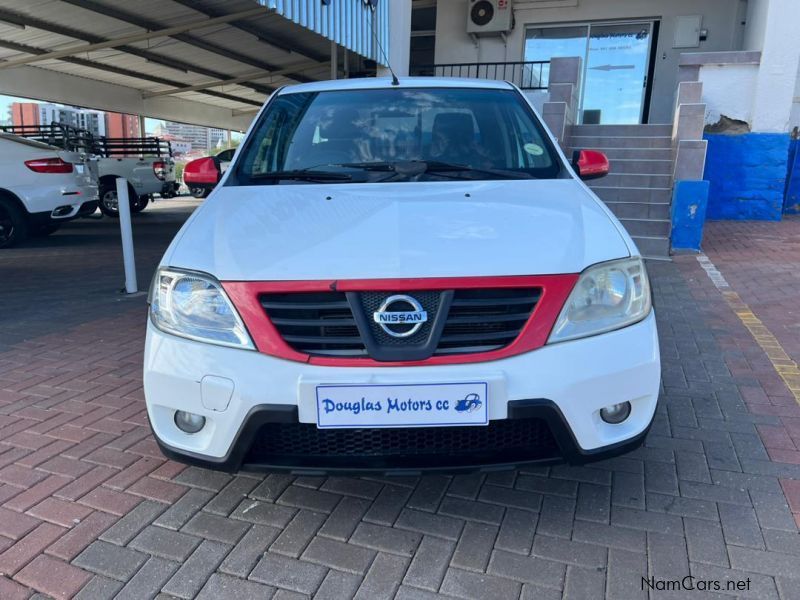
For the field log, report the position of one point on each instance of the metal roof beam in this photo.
(58, 86)
(129, 39)
(234, 80)
(144, 23)
(120, 71)
(267, 37)
(152, 57)
(238, 112)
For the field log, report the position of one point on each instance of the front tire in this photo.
(13, 224)
(199, 192)
(140, 204)
(109, 204)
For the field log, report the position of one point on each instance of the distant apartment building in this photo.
(122, 125)
(34, 113)
(25, 113)
(201, 138)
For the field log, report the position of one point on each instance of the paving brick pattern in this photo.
(90, 509)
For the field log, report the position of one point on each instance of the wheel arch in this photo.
(14, 199)
(112, 181)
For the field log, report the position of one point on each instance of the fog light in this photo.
(189, 422)
(616, 413)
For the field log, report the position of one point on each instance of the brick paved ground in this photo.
(89, 508)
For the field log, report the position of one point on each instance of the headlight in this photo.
(194, 306)
(607, 296)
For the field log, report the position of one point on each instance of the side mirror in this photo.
(590, 164)
(201, 170)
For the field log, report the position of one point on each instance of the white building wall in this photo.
(728, 91)
(722, 18)
(780, 53)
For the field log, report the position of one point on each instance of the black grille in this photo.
(478, 320)
(304, 445)
(486, 319)
(318, 323)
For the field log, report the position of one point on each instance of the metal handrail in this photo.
(527, 75)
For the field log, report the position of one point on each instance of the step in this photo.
(647, 227)
(594, 142)
(653, 246)
(624, 180)
(632, 194)
(640, 166)
(640, 210)
(623, 130)
(631, 153)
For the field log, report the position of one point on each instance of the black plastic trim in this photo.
(544, 409)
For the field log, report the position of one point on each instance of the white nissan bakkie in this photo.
(401, 276)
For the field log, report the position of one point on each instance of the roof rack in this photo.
(145, 146)
(56, 134)
(81, 140)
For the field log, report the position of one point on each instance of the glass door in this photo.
(543, 43)
(615, 76)
(616, 57)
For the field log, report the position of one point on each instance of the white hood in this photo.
(397, 230)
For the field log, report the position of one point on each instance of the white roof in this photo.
(371, 83)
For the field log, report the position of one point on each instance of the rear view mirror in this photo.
(589, 164)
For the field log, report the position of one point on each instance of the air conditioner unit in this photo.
(489, 16)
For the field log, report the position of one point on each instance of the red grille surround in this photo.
(555, 290)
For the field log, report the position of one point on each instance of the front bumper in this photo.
(561, 387)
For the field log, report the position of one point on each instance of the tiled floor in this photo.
(89, 508)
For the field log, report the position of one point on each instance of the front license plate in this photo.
(402, 405)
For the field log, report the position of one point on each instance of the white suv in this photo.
(400, 278)
(41, 187)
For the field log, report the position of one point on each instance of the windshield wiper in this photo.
(368, 166)
(437, 167)
(412, 168)
(301, 174)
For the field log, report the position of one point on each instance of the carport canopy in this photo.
(206, 62)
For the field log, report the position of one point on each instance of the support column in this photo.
(399, 50)
(775, 84)
(561, 110)
(334, 60)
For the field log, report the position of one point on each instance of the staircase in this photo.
(638, 188)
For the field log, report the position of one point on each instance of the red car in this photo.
(202, 174)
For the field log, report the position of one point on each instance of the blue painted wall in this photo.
(791, 202)
(747, 175)
(689, 202)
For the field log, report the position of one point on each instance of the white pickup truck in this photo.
(42, 186)
(145, 162)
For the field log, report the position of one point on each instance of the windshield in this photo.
(410, 134)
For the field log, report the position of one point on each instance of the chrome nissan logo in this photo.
(400, 316)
